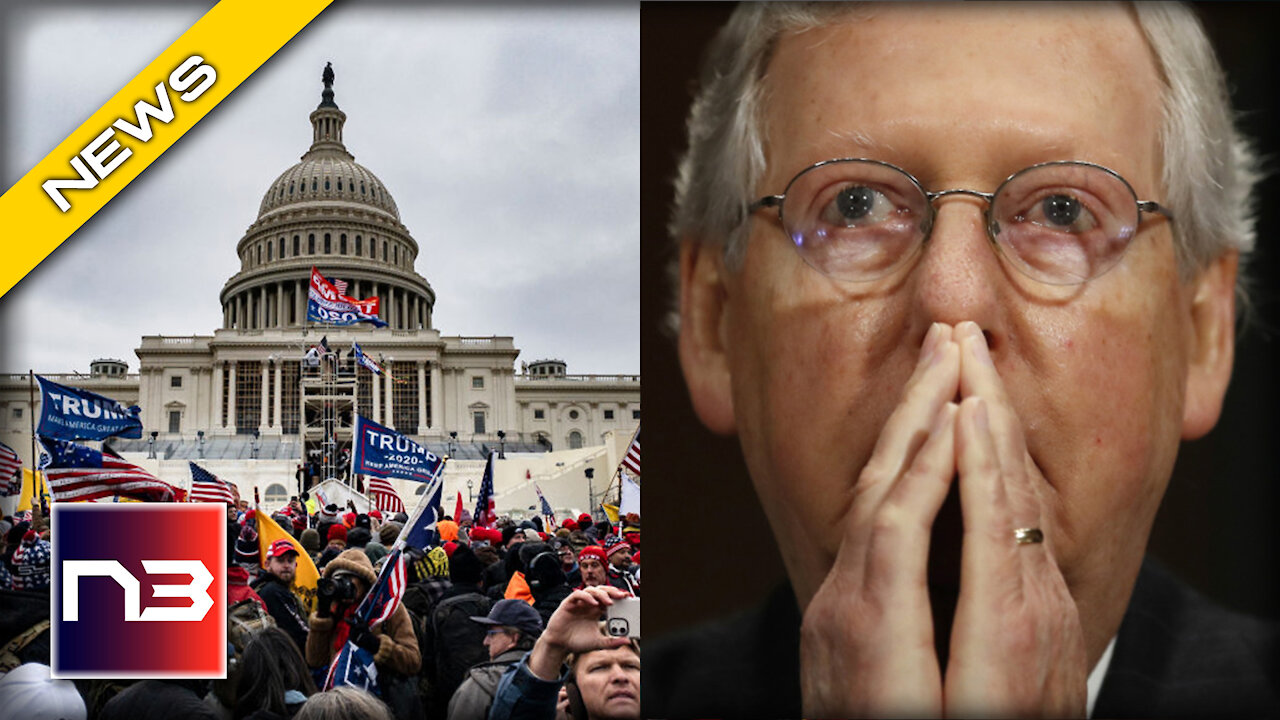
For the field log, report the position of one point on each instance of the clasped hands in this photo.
(1016, 645)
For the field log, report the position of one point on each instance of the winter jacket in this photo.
(398, 648)
(283, 606)
(475, 695)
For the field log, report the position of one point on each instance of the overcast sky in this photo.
(508, 136)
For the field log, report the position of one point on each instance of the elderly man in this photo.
(985, 253)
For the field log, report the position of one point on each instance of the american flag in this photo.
(485, 514)
(10, 471)
(339, 285)
(76, 472)
(205, 487)
(632, 459)
(384, 496)
(354, 665)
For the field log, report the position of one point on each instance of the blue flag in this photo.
(382, 452)
(69, 413)
(420, 529)
(485, 514)
(365, 360)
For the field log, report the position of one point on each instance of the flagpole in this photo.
(37, 497)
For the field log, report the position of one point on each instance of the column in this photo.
(280, 315)
(262, 307)
(300, 302)
(388, 414)
(215, 418)
(231, 399)
(262, 410)
(374, 392)
(422, 397)
(275, 412)
(437, 399)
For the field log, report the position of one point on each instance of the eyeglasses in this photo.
(1061, 223)
(496, 631)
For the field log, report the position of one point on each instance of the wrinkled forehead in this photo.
(1024, 83)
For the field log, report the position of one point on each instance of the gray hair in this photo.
(1209, 171)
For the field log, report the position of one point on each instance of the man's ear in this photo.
(703, 351)
(1212, 340)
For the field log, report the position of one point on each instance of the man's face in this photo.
(1105, 377)
(592, 571)
(566, 557)
(500, 639)
(609, 681)
(284, 567)
(621, 558)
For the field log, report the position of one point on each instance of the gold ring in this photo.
(1028, 536)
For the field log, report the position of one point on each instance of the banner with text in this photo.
(326, 305)
(70, 413)
(383, 452)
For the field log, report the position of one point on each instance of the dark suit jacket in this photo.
(1176, 655)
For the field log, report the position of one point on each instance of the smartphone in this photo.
(622, 619)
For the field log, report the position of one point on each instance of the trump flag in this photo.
(69, 413)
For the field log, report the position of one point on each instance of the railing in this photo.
(583, 378)
(68, 377)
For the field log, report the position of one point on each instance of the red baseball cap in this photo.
(281, 548)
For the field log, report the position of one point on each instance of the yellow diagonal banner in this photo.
(147, 116)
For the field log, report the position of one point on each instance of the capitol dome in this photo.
(330, 212)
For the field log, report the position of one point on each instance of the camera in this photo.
(619, 627)
(340, 588)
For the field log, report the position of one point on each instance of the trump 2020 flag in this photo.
(76, 472)
(325, 304)
(69, 413)
(365, 360)
(354, 665)
(382, 452)
(485, 514)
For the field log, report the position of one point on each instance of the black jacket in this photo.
(1176, 655)
(283, 606)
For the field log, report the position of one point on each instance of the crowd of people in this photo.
(502, 621)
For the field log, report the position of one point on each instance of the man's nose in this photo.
(960, 274)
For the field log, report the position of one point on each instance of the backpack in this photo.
(244, 620)
(459, 642)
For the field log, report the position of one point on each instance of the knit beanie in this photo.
(363, 521)
(247, 546)
(388, 533)
(465, 568)
(358, 537)
(328, 514)
(311, 540)
(374, 550)
(337, 532)
(31, 564)
(436, 564)
(613, 544)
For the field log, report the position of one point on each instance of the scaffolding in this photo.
(328, 398)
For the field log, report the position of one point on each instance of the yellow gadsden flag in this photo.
(304, 580)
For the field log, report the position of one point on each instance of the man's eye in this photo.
(1063, 212)
(856, 205)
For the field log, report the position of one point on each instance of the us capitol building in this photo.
(243, 403)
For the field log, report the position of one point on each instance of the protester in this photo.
(29, 566)
(452, 643)
(275, 584)
(592, 563)
(343, 703)
(273, 678)
(337, 539)
(568, 561)
(547, 582)
(605, 669)
(392, 643)
(511, 629)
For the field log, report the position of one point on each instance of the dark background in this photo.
(709, 550)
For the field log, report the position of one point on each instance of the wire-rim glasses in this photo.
(1061, 223)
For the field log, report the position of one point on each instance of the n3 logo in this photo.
(138, 575)
(196, 590)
